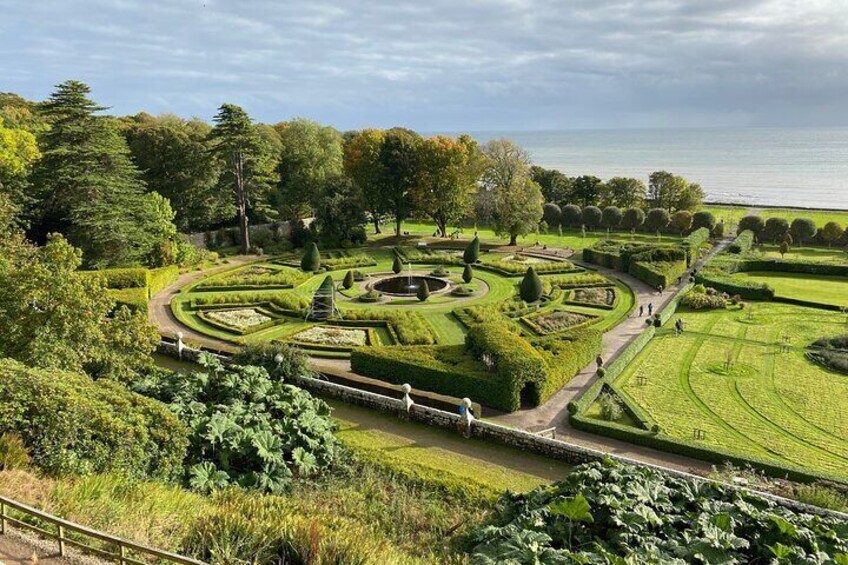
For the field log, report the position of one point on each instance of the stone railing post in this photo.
(407, 400)
(467, 416)
(180, 345)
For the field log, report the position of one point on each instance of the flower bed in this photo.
(557, 321)
(242, 318)
(334, 336)
(603, 297)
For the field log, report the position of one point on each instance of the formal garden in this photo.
(408, 314)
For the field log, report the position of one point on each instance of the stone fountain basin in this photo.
(399, 285)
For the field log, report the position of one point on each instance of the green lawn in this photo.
(810, 254)
(765, 403)
(729, 214)
(816, 288)
(571, 238)
(820, 217)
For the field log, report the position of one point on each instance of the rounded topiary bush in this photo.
(347, 283)
(371, 296)
(311, 260)
(472, 251)
(359, 276)
(423, 291)
(530, 289)
(462, 290)
(397, 265)
(440, 271)
(467, 274)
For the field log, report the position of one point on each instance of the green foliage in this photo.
(254, 278)
(551, 213)
(279, 359)
(397, 266)
(75, 425)
(311, 260)
(591, 216)
(694, 240)
(339, 218)
(695, 300)
(56, 317)
(752, 223)
(472, 251)
(530, 288)
(423, 292)
(703, 219)
(775, 229)
(633, 218)
(743, 242)
(831, 352)
(657, 219)
(88, 188)
(410, 328)
(611, 217)
(467, 274)
(802, 229)
(572, 215)
(246, 428)
(348, 281)
(610, 513)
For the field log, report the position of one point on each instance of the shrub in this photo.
(743, 242)
(397, 266)
(74, 425)
(681, 221)
(530, 289)
(657, 219)
(572, 215)
(702, 301)
(440, 271)
(610, 407)
(611, 217)
(246, 429)
(461, 291)
(802, 229)
(591, 216)
(775, 229)
(695, 239)
(472, 251)
(281, 360)
(311, 260)
(551, 214)
(371, 296)
(679, 521)
(633, 218)
(423, 292)
(703, 219)
(348, 281)
(467, 274)
(753, 224)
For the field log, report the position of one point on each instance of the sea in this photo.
(803, 167)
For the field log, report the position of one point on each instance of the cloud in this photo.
(436, 65)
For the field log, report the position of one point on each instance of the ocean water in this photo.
(806, 167)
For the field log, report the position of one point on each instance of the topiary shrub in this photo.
(530, 289)
(359, 276)
(472, 251)
(440, 271)
(311, 260)
(423, 292)
(461, 291)
(397, 265)
(467, 274)
(347, 283)
(371, 296)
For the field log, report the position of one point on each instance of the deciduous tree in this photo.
(517, 199)
(623, 192)
(399, 167)
(362, 164)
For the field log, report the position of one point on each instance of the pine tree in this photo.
(237, 142)
(87, 186)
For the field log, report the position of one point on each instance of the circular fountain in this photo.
(408, 285)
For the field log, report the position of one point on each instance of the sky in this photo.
(444, 65)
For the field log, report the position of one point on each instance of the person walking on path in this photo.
(660, 289)
(650, 309)
(600, 361)
(641, 310)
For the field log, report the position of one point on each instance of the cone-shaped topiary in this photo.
(423, 291)
(467, 274)
(397, 265)
(472, 251)
(531, 286)
(347, 283)
(311, 261)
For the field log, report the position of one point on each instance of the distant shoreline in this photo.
(774, 206)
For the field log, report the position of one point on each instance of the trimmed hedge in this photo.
(75, 425)
(747, 289)
(566, 355)
(132, 277)
(694, 240)
(446, 370)
(743, 242)
(658, 273)
(160, 278)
